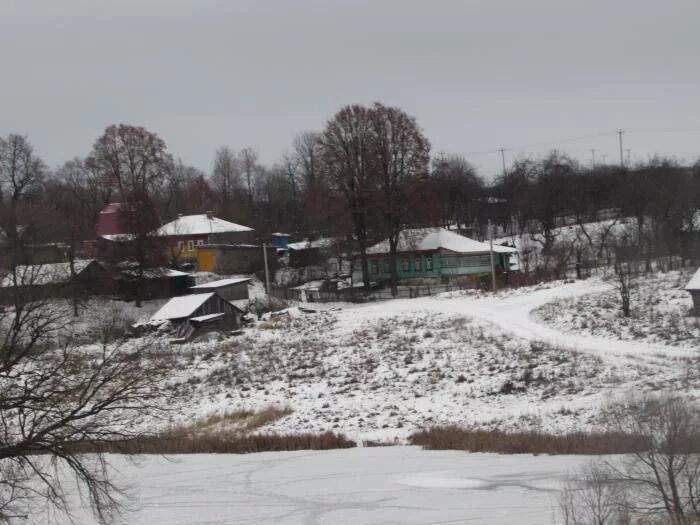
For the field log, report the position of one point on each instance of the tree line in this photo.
(365, 176)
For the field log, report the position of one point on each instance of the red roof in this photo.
(110, 221)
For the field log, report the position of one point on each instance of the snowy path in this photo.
(353, 486)
(512, 314)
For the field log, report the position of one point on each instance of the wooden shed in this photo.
(198, 309)
(233, 289)
(693, 288)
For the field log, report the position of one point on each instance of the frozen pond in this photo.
(363, 485)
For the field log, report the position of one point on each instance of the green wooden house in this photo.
(436, 253)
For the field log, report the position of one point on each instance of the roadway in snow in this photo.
(512, 314)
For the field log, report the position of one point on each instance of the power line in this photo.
(578, 138)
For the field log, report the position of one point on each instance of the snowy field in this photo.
(388, 485)
(381, 371)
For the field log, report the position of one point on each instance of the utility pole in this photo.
(629, 157)
(493, 261)
(622, 159)
(267, 273)
(593, 157)
(503, 159)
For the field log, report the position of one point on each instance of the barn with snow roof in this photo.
(200, 310)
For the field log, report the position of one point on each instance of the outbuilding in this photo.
(693, 287)
(233, 289)
(199, 309)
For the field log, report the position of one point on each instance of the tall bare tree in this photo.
(136, 162)
(346, 149)
(248, 161)
(21, 174)
(59, 400)
(226, 177)
(400, 157)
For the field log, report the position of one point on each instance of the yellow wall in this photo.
(205, 260)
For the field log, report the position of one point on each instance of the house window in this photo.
(416, 264)
(387, 266)
(375, 267)
(200, 242)
(407, 265)
(449, 262)
(429, 263)
(180, 246)
(190, 245)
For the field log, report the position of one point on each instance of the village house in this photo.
(188, 232)
(693, 287)
(437, 254)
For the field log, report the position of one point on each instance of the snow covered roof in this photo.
(206, 318)
(220, 283)
(118, 237)
(694, 283)
(42, 274)
(200, 225)
(305, 245)
(154, 273)
(183, 306)
(429, 239)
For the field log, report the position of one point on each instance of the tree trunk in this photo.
(393, 242)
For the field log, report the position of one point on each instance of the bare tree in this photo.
(400, 156)
(248, 161)
(136, 161)
(21, 174)
(226, 177)
(593, 497)
(665, 476)
(58, 401)
(658, 482)
(346, 146)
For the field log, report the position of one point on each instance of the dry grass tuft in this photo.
(229, 433)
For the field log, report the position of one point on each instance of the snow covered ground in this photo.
(381, 371)
(660, 313)
(352, 486)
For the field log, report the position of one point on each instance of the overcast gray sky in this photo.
(478, 75)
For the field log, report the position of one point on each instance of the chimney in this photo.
(179, 215)
(210, 215)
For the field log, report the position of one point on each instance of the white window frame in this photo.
(200, 242)
(406, 264)
(417, 264)
(429, 263)
(190, 245)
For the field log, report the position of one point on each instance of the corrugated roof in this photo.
(694, 283)
(200, 225)
(429, 239)
(220, 283)
(179, 307)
